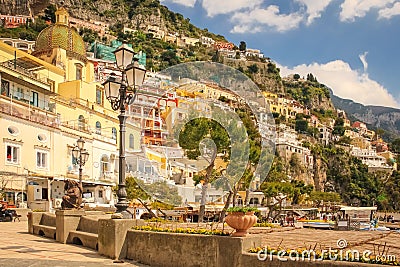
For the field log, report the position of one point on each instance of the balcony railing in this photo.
(79, 126)
(27, 112)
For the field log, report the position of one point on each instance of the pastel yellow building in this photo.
(285, 107)
(48, 100)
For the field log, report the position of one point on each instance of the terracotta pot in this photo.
(241, 222)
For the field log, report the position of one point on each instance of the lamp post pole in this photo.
(122, 204)
(81, 155)
(120, 93)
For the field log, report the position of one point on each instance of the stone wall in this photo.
(170, 249)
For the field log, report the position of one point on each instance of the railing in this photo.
(28, 112)
(79, 126)
(108, 175)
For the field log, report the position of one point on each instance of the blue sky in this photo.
(351, 46)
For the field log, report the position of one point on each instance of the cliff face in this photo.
(385, 118)
(100, 10)
(17, 7)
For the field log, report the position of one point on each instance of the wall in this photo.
(169, 249)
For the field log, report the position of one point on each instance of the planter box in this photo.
(171, 249)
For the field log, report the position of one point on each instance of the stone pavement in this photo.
(19, 248)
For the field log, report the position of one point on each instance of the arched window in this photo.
(114, 133)
(131, 141)
(98, 127)
(81, 122)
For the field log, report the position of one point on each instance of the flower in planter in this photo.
(242, 209)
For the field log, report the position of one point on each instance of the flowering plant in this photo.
(242, 209)
(153, 228)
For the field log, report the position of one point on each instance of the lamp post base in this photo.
(122, 212)
(122, 215)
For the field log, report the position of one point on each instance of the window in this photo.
(99, 96)
(81, 122)
(78, 72)
(114, 133)
(100, 194)
(18, 93)
(35, 99)
(98, 127)
(42, 137)
(13, 130)
(104, 161)
(5, 88)
(12, 154)
(41, 159)
(131, 141)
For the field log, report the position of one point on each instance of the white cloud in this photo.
(351, 9)
(363, 58)
(215, 7)
(346, 82)
(389, 12)
(245, 29)
(314, 8)
(270, 17)
(187, 3)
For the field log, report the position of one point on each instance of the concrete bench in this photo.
(44, 230)
(83, 238)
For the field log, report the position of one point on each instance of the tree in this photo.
(300, 189)
(49, 13)
(395, 145)
(253, 68)
(190, 137)
(301, 126)
(134, 189)
(322, 197)
(296, 76)
(338, 128)
(242, 46)
(276, 193)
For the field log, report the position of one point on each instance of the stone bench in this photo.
(85, 239)
(44, 230)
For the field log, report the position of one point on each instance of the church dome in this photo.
(60, 35)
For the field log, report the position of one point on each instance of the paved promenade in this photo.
(19, 248)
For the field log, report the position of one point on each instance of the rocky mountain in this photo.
(385, 118)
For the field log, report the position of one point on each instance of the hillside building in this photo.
(48, 100)
(23, 45)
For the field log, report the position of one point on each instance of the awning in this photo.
(28, 63)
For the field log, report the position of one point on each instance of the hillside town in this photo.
(51, 94)
(51, 89)
(169, 155)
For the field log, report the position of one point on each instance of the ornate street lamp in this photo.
(122, 92)
(81, 155)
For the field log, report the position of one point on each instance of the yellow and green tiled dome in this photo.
(60, 35)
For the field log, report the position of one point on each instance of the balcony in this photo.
(76, 125)
(28, 112)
